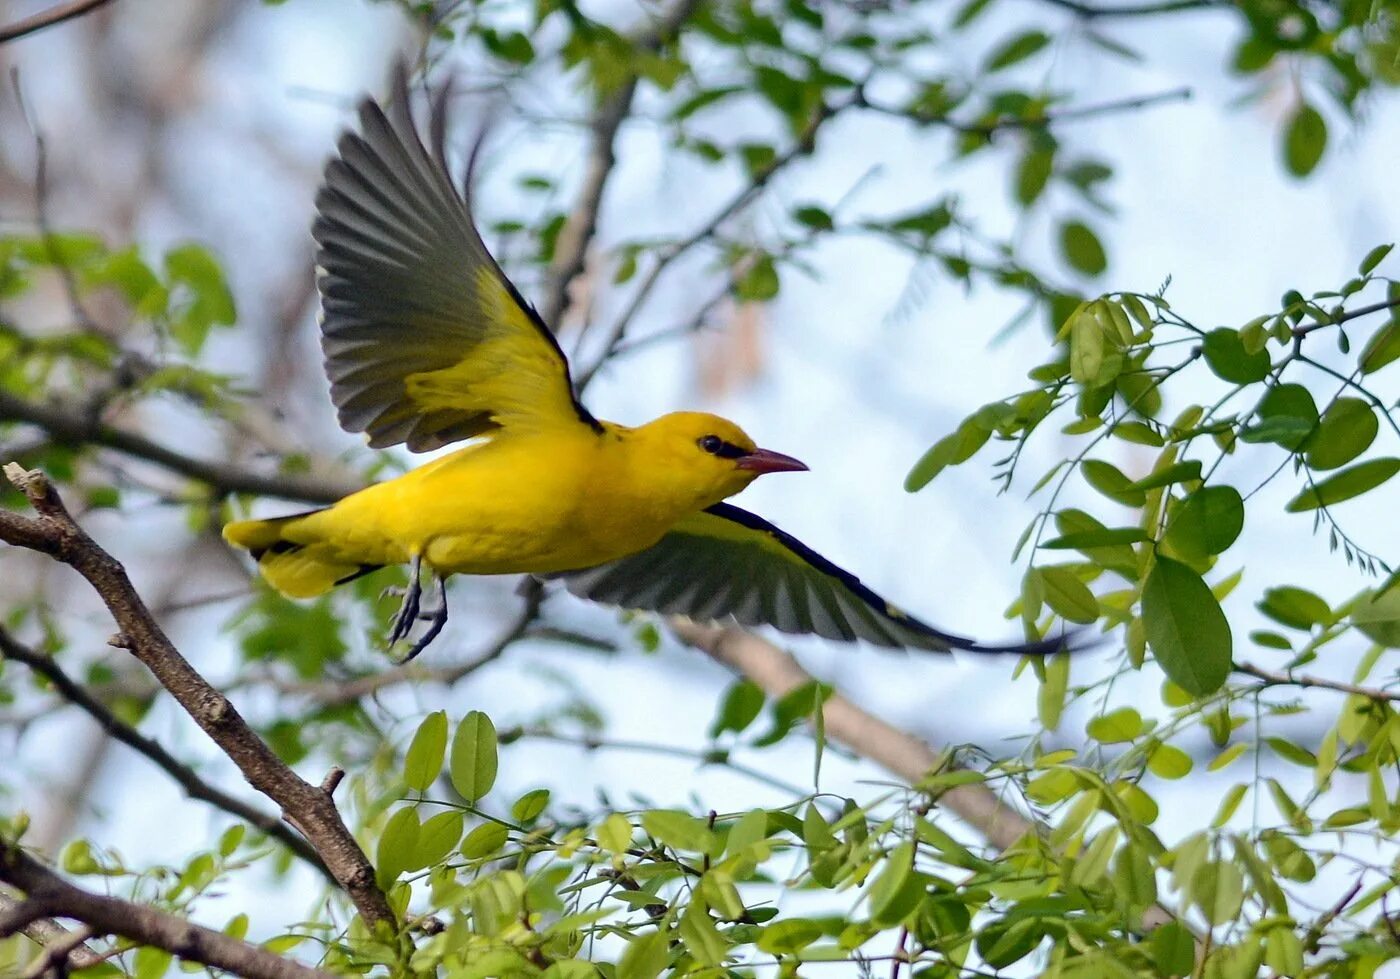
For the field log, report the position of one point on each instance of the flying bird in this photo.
(428, 343)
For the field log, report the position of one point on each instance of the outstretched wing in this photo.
(727, 563)
(426, 340)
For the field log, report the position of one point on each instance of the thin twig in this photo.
(49, 18)
(78, 428)
(571, 249)
(801, 147)
(194, 786)
(1090, 11)
(54, 532)
(1272, 678)
(1043, 121)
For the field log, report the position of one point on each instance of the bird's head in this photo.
(707, 455)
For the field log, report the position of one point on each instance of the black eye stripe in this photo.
(717, 446)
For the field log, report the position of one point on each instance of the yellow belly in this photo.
(540, 504)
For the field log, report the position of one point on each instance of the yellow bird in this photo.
(428, 343)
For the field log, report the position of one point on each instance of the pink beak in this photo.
(768, 461)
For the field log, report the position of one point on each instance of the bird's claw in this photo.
(411, 611)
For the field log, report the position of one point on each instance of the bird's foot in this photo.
(436, 619)
(408, 610)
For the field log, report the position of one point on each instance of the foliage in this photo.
(486, 885)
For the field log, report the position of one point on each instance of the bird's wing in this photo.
(426, 340)
(726, 563)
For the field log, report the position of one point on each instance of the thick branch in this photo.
(44, 931)
(897, 751)
(194, 786)
(49, 18)
(52, 895)
(76, 428)
(309, 807)
(571, 250)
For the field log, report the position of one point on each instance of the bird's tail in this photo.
(296, 569)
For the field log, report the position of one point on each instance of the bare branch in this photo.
(43, 930)
(78, 428)
(1274, 678)
(55, 533)
(897, 751)
(571, 250)
(1043, 121)
(802, 146)
(49, 18)
(194, 786)
(47, 891)
(1090, 11)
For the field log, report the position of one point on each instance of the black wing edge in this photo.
(398, 119)
(1044, 647)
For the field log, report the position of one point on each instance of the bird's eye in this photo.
(711, 444)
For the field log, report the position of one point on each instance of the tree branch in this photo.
(78, 428)
(43, 930)
(897, 751)
(1273, 678)
(50, 894)
(49, 18)
(802, 146)
(1044, 121)
(309, 807)
(571, 249)
(1090, 11)
(194, 786)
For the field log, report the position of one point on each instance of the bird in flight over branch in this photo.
(428, 343)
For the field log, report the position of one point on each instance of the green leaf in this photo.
(1304, 141)
(1083, 539)
(1373, 258)
(1287, 416)
(529, 806)
(898, 889)
(473, 763)
(397, 846)
(485, 840)
(760, 282)
(788, 936)
(1180, 472)
(1082, 249)
(1016, 49)
(1115, 727)
(437, 837)
(1344, 485)
(1295, 607)
(700, 936)
(1173, 949)
(645, 957)
(615, 833)
(1228, 359)
(1377, 617)
(1050, 698)
(742, 703)
(423, 761)
(1206, 523)
(1067, 594)
(1346, 430)
(1218, 890)
(1108, 480)
(679, 830)
(1169, 762)
(1186, 628)
(1382, 348)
